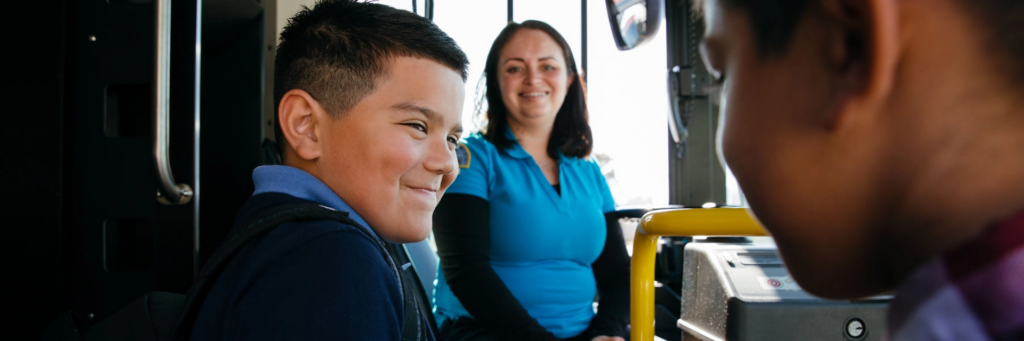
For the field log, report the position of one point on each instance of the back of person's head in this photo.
(1002, 22)
(338, 50)
(870, 136)
(571, 134)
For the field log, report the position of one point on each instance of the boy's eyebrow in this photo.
(430, 114)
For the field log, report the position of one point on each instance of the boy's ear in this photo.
(864, 51)
(298, 114)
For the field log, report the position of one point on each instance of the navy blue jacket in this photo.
(303, 281)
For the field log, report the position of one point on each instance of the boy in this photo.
(881, 142)
(369, 102)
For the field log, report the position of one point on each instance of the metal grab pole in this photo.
(676, 222)
(168, 193)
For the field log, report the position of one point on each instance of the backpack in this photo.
(160, 316)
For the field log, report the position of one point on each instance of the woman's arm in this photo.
(611, 270)
(463, 236)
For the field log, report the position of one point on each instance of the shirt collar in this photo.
(517, 151)
(297, 183)
(976, 271)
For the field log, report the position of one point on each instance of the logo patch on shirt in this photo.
(462, 152)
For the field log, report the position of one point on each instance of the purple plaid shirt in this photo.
(975, 292)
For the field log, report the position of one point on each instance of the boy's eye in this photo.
(416, 126)
(454, 140)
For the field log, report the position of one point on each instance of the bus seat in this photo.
(424, 264)
(424, 260)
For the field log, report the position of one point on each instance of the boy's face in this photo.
(392, 156)
(805, 183)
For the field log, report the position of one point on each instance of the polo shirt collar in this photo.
(297, 183)
(517, 150)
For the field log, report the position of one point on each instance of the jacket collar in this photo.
(297, 183)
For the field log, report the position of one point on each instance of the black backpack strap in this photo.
(412, 327)
(270, 219)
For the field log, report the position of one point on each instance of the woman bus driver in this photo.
(524, 233)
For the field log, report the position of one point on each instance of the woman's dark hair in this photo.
(571, 134)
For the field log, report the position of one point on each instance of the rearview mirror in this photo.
(633, 22)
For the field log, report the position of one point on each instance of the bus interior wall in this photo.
(33, 135)
(85, 231)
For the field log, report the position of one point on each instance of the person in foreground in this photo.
(369, 100)
(881, 143)
(526, 236)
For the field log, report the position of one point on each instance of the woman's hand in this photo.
(607, 338)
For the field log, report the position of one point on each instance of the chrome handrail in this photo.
(168, 192)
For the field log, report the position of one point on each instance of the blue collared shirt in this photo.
(297, 183)
(536, 232)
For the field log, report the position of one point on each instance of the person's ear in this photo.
(297, 114)
(864, 52)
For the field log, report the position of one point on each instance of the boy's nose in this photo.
(440, 159)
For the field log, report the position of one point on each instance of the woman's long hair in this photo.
(571, 134)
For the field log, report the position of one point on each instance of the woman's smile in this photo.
(534, 96)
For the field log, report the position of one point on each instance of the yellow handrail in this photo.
(676, 222)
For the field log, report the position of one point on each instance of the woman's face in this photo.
(533, 78)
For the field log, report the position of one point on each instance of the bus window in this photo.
(628, 109)
(733, 194)
(404, 4)
(564, 16)
(473, 24)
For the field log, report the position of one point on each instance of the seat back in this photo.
(424, 259)
(423, 282)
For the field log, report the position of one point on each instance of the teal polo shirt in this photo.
(542, 243)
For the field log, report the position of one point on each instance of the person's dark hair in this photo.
(337, 50)
(571, 134)
(774, 22)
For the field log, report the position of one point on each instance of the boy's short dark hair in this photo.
(337, 50)
(774, 21)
